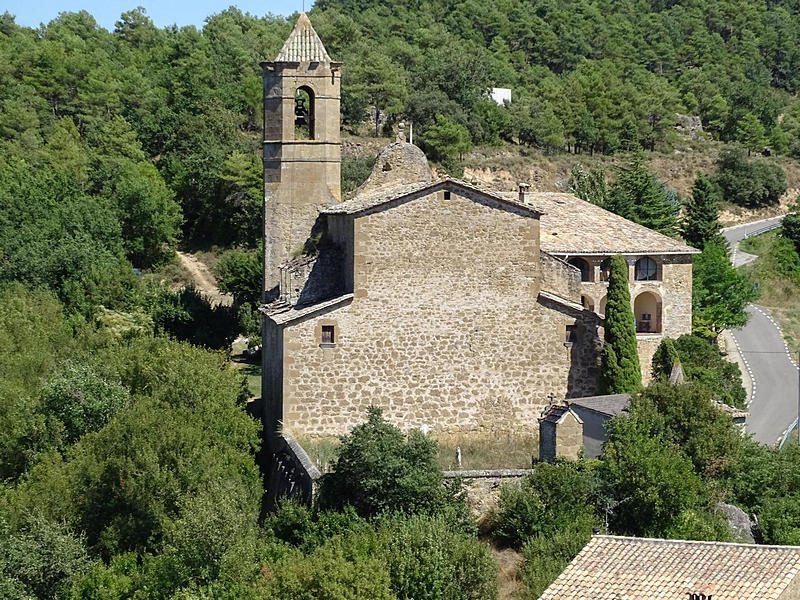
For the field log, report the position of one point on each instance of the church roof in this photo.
(405, 192)
(303, 44)
(654, 569)
(570, 225)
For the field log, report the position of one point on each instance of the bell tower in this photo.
(301, 144)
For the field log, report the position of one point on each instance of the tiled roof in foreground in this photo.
(626, 568)
(570, 225)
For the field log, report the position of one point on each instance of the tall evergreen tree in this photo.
(637, 195)
(620, 372)
(701, 222)
(720, 292)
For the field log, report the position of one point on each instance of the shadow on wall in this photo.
(584, 354)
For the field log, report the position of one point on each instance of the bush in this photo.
(648, 480)
(355, 172)
(547, 555)
(750, 183)
(327, 574)
(702, 363)
(430, 559)
(379, 470)
(537, 506)
(82, 400)
(241, 274)
(189, 316)
(40, 557)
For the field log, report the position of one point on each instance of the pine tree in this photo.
(700, 222)
(637, 195)
(750, 133)
(620, 372)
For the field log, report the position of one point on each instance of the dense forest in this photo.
(126, 454)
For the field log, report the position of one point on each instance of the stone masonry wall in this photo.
(445, 330)
(674, 288)
(561, 278)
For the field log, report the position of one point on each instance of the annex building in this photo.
(453, 307)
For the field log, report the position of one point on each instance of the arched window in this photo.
(646, 269)
(605, 267)
(304, 113)
(585, 268)
(647, 313)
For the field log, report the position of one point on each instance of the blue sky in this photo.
(163, 12)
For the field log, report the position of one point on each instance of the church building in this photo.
(453, 307)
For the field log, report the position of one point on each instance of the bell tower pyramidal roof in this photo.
(303, 44)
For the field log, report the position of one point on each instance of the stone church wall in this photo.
(561, 278)
(445, 330)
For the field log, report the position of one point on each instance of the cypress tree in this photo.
(664, 359)
(701, 222)
(620, 372)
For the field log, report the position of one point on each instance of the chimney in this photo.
(523, 188)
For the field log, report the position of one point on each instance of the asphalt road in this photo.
(773, 404)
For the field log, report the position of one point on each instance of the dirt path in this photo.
(203, 279)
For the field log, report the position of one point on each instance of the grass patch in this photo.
(478, 451)
(488, 451)
(323, 451)
(760, 245)
(779, 292)
(172, 274)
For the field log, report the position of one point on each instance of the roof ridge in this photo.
(703, 542)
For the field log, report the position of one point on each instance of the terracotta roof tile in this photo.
(303, 44)
(653, 569)
(570, 225)
(384, 195)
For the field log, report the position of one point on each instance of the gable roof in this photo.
(572, 226)
(375, 200)
(303, 44)
(609, 405)
(557, 413)
(630, 568)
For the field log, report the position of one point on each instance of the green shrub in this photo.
(187, 315)
(355, 172)
(82, 400)
(537, 506)
(751, 183)
(428, 558)
(547, 555)
(327, 574)
(703, 363)
(648, 480)
(379, 470)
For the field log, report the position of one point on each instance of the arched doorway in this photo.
(601, 310)
(647, 313)
(304, 113)
(584, 267)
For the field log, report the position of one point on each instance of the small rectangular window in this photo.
(447, 195)
(327, 335)
(571, 334)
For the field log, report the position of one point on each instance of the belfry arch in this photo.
(304, 101)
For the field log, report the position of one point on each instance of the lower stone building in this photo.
(439, 301)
